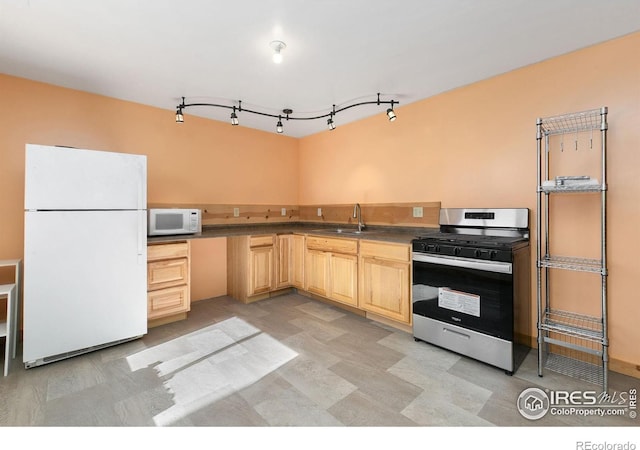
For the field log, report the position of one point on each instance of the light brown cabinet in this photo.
(258, 265)
(284, 266)
(290, 261)
(168, 281)
(331, 268)
(250, 266)
(297, 260)
(316, 276)
(343, 278)
(261, 269)
(385, 280)
(371, 276)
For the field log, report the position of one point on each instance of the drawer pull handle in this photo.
(449, 330)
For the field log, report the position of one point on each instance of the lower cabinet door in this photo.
(164, 302)
(261, 270)
(297, 261)
(344, 278)
(316, 272)
(384, 288)
(284, 262)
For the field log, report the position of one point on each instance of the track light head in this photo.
(391, 115)
(234, 118)
(179, 115)
(279, 128)
(330, 124)
(277, 47)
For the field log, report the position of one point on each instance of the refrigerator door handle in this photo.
(141, 204)
(142, 233)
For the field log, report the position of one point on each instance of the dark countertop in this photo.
(403, 235)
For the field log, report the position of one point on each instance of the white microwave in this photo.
(169, 221)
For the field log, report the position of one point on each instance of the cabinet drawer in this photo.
(261, 241)
(332, 245)
(385, 250)
(166, 302)
(170, 272)
(166, 251)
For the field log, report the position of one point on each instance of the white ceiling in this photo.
(338, 51)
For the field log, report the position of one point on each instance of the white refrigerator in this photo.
(85, 255)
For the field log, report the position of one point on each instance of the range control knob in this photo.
(493, 254)
(477, 253)
(456, 250)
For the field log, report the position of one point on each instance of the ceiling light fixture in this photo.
(330, 115)
(330, 124)
(279, 128)
(390, 113)
(234, 118)
(277, 47)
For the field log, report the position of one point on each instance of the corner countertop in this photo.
(397, 234)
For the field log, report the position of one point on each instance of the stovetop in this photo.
(471, 246)
(473, 239)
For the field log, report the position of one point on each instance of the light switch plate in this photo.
(283, 211)
(236, 212)
(319, 212)
(418, 211)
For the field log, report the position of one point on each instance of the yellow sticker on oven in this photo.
(459, 301)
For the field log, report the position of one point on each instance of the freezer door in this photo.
(85, 280)
(60, 178)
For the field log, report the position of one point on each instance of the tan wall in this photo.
(199, 161)
(476, 146)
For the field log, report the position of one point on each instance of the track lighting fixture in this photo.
(279, 128)
(330, 124)
(287, 112)
(277, 47)
(234, 118)
(390, 113)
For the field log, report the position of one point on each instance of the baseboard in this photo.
(625, 368)
(332, 303)
(392, 323)
(165, 320)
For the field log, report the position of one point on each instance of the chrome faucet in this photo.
(357, 214)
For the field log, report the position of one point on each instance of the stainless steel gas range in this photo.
(471, 285)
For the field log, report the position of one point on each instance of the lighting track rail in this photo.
(286, 113)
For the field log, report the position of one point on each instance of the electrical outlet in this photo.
(283, 211)
(418, 211)
(319, 212)
(236, 212)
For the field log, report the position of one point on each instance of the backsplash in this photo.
(399, 214)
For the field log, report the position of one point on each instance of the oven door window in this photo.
(471, 298)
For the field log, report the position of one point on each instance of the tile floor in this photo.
(285, 361)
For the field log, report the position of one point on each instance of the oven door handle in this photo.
(488, 266)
